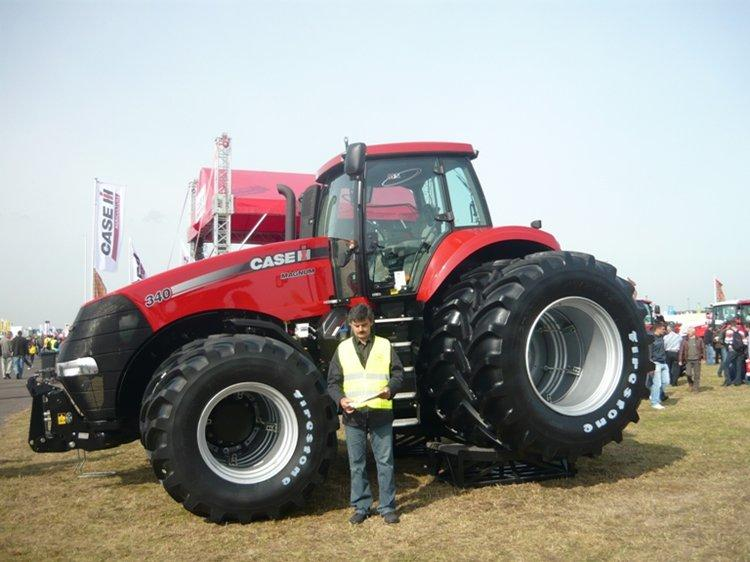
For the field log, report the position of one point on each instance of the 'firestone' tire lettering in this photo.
(612, 414)
(309, 426)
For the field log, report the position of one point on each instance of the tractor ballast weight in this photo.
(219, 366)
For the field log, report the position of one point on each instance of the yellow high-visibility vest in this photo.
(359, 382)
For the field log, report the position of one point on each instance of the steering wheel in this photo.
(374, 239)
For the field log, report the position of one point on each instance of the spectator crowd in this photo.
(674, 354)
(19, 352)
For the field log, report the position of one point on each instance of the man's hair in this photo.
(360, 313)
(660, 325)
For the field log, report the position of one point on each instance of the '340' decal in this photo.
(157, 297)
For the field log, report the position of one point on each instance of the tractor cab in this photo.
(385, 208)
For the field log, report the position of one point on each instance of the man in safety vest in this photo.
(363, 377)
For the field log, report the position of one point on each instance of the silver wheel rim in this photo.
(574, 356)
(268, 447)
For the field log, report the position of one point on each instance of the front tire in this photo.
(240, 428)
(545, 355)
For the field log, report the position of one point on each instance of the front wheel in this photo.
(240, 428)
(545, 355)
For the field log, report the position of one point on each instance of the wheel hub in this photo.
(232, 421)
(574, 356)
(247, 432)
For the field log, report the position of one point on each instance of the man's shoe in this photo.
(657, 406)
(358, 517)
(391, 517)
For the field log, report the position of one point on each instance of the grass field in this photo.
(676, 488)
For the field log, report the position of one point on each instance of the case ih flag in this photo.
(719, 291)
(107, 226)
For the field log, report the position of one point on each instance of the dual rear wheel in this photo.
(544, 355)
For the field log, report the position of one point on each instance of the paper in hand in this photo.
(361, 403)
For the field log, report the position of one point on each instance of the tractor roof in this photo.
(400, 149)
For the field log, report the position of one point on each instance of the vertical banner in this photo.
(137, 271)
(107, 226)
(719, 291)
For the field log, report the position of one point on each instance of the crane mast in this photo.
(223, 203)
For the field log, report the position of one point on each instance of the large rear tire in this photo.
(240, 428)
(545, 355)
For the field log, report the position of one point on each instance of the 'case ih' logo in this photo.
(282, 258)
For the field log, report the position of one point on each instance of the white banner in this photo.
(107, 226)
(137, 271)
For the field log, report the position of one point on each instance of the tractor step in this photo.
(391, 320)
(467, 466)
(405, 422)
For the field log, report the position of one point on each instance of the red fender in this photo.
(460, 244)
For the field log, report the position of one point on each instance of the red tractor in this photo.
(219, 366)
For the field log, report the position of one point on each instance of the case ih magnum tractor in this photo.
(219, 366)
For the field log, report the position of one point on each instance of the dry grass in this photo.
(676, 489)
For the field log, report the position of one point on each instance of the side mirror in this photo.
(354, 161)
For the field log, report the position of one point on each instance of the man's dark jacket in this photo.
(20, 346)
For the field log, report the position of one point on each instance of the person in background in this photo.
(661, 371)
(20, 349)
(736, 356)
(692, 351)
(727, 363)
(708, 344)
(29, 359)
(720, 348)
(6, 365)
(672, 342)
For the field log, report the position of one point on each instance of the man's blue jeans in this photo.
(710, 354)
(661, 380)
(722, 361)
(381, 438)
(18, 366)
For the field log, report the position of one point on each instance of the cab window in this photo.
(466, 204)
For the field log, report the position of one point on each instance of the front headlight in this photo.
(78, 367)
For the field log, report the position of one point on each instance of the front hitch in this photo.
(56, 426)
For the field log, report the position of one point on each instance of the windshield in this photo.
(723, 313)
(745, 314)
(406, 214)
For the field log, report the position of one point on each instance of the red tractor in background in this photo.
(219, 366)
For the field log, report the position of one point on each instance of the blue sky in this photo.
(624, 126)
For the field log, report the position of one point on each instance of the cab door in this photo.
(337, 218)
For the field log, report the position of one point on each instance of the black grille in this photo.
(110, 330)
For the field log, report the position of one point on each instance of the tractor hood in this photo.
(288, 280)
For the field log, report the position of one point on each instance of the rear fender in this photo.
(465, 248)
